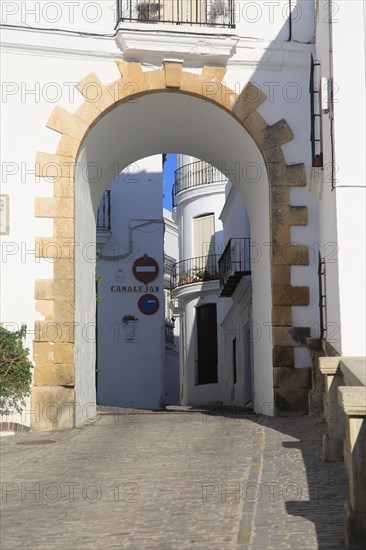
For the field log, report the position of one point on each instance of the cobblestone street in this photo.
(172, 480)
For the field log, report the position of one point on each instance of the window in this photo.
(207, 344)
(204, 235)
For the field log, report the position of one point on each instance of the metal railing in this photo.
(169, 264)
(169, 331)
(195, 174)
(315, 118)
(235, 260)
(213, 13)
(322, 296)
(195, 270)
(104, 212)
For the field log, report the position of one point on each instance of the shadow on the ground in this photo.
(327, 484)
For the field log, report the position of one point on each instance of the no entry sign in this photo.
(148, 304)
(145, 269)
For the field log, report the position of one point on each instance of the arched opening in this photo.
(175, 123)
(173, 111)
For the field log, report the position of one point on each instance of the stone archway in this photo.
(54, 379)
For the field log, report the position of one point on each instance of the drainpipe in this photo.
(331, 92)
(290, 20)
(130, 241)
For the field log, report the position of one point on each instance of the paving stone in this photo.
(172, 481)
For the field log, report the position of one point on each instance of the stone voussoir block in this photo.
(95, 92)
(292, 378)
(64, 310)
(274, 135)
(132, 76)
(248, 101)
(281, 315)
(66, 123)
(63, 353)
(43, 353)
(192, 83)
(46, 207)
(54, 375)
(280, 197)
(290, 215)
(290, 336)
(281, 235)
(54, 331)
(89, 113)
(54, 166)
(68, 147)
(283, 356)
(255, 123)
(55, 248)
(284, 295)
(173, 74)
(295, 175)
(64, 269)
(44, 289)
(284, 175)
(64, 189)
(45, 308)
(281, 274)
(290, 254)
(64, 289)
(64, 228)
(218, 93)
(213, 73)
(155, 80)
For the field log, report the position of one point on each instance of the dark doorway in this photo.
(207, 344)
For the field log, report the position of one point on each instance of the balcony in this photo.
(169, 266)
(210, 13)
(195, 270)
(193, 175)
(104, 219)
(233, 265)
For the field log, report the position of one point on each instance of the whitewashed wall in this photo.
(171, 367)
(342, 210)
(131, 358)
(267, 20)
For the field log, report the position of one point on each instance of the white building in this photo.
(199, 195)
(91, 88)
(214, 251)
(137, 357)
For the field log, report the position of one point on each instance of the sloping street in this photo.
(172, 480)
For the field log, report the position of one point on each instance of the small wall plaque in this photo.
(4, 214)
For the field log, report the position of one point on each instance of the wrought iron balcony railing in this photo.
(195, 270)
(234, 264)
(104, 212)
(169, 332)
(213, 13)
(169, 264)
(193, 175)
(169, 267)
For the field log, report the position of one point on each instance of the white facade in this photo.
(131, 353)
(209, 212)
(342, 202)
(237, 327)
(199, 198)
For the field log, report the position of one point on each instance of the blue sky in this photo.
(168, 177)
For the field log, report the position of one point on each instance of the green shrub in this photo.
(15, 370)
